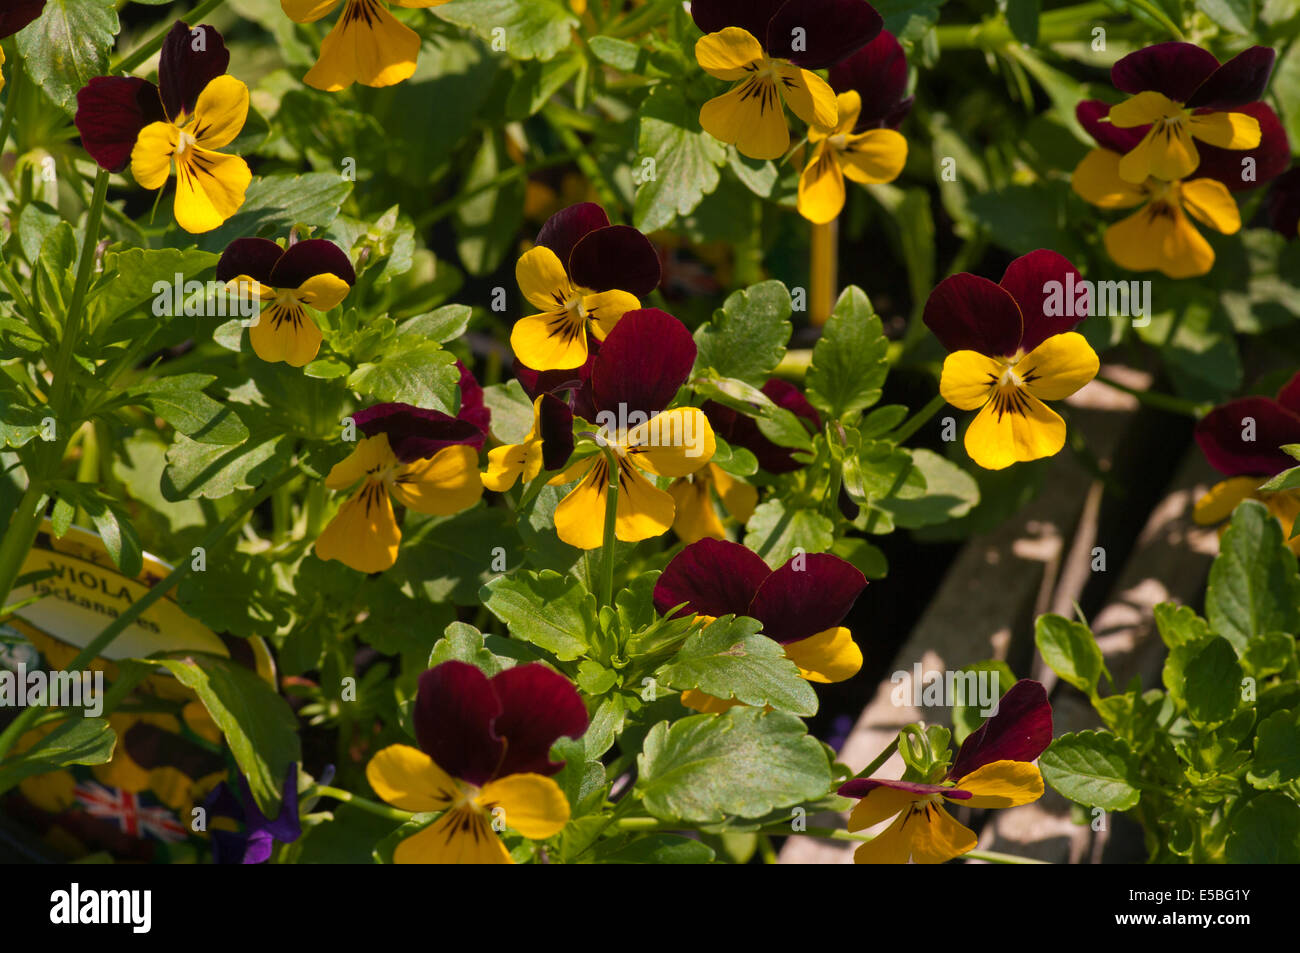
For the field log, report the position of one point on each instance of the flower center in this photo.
(183, 143)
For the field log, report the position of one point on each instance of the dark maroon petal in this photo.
(861, 787)
(1031, 280)
(1175, 69)
(415, 433)
(1092, 112)
(1241, 80)
(569, 226)
(794, 603)
(307, 259)
(642, 363)
(535, 382)
(472, 408)
(254, 257)
(878, 73)
(969, 313)
(17, 14)
(827, 31)
(189, 61)
(111, 111)
(713, 577)
(617, 257)
(1020, 730)
(1271, 156)
(1222, 435)
(555, 427)
(454, 709)
(1289, 395)
(1284, 204)
(752, 15)
(538, 707)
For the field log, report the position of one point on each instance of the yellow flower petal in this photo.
(1144, 109)
(461, 836)
(1225, 130)
(644, 511)
(738, 497)
(705, 703)
(307, 11)
(1166, 152)
(1014, 427)
(507, 463)
(728, 54)
(749, 116)
(695, 518)
(210, 188)
(550, 341)
(1210, 202)
(821, 187)
(323, 292)
(368, 45)
(364, 535)
(370, 453)
(534, 805)
(285, 333)
(969, 378)
(937, 838)
(446, 483)
(151, 157)
(1002, 784)
(829, 656)
(1218, 504)
(219, 112)
(874, 156)
(543, 280)
(408, 778)
(1097, 180)
(1058, 367)
(674, 443)
(893, 845)
(810, 97)
(879, 805)
(1159, 237)
(605, 308)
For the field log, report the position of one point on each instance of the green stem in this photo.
(152, 45)
(19, 536)
(611, 519)
(881, 758)
(361, 803)
(1055, 26)
(1155, 399)
(919, 419)
(115, 628)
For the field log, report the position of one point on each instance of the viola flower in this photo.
(767, 47)
(994, 768)
(484, 747)
(1241, 439)
(584, 274)
(260, 834)
(194, 110)
(1284, 204)
(367, 45)
(547, 446)
(18, 15)
(873, 156)
(741, 430)
(693, 496)
(878, 73)
(1012, 346)
(1180, 94)
(800, 605)
(314, 274)
(424, 459)
(641, 365)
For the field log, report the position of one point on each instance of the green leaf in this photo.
(259, 725)
(462, 642)
(775, 532)
(1212, 683)
(1237, 16)
(1070, 651)
(657, 849)
(423, 374)
(743, 763)
(1270, 654)
(215, 470)
(273, 205)
(180, 401)
(685, 160)
(869, 559)
(848, 362)
(135, 278)
(550, 611)
(531, 29)
(1179, 625)
(1265, 830)
(1277, 751)
(449, 558)
(1022, 17)
(488, 223)
(75, 741)
(1253, 585)
(440, 325)
(20, 423)
(950, 493)
(909, 20)
(1093, 768)
(512, 411)
(746, 338)
(730, 659)
(68, 46)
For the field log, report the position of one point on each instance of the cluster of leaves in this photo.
(1210, 764)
